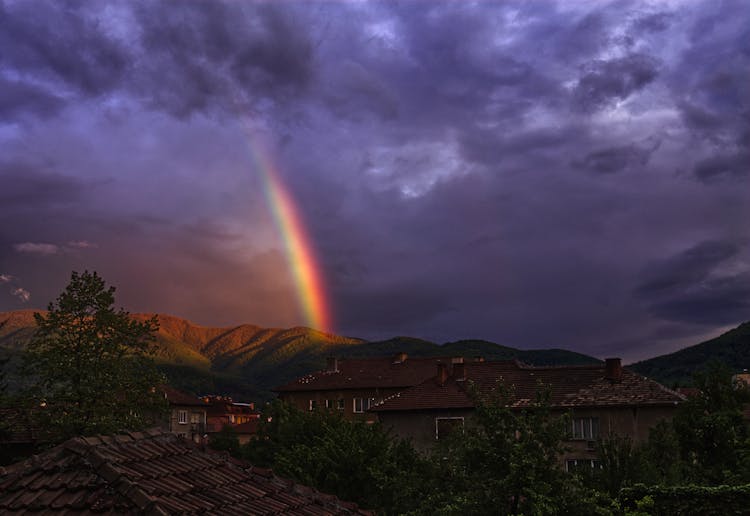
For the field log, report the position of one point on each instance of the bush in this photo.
(687, 500)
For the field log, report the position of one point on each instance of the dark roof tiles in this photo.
(366, 373)
(152, 472)
(570, 386)
(176, 397)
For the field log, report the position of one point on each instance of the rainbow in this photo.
(298, 249)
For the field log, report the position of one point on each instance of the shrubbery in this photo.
(687, 500)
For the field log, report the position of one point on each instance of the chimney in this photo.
(400, 357)
(442, 373)
(459, 371)
(332, 365)
(613, 369)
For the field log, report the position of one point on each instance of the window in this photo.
(312, 405)
(369, 403)
(182, 417)
(585, 428)
(447, 425)
(195, 417)
(341, 404)
(329, 404)
(572, 465)
(358, 405)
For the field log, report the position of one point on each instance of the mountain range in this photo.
(677, 369)
(248, 361)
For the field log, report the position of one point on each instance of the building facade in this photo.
(187, 414)
(601, 400)
(353, 386)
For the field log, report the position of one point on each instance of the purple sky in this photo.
(540, 174)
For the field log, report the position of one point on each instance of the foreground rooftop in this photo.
(152, 473)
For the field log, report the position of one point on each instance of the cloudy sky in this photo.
(540, 174)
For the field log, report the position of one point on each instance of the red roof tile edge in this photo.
(86, 447)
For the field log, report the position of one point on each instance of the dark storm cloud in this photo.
(18, 98)
(656, 22)
(27, 187)
(200, 55)
(617, 159)
(685, 269)
(57, 42)
(492, 147)
(720, 166)
(716, 302)
(515, 171)
(191, 56)
(692, 287)
(399, 307)
(604, 82)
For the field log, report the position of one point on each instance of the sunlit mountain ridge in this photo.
(249, 360)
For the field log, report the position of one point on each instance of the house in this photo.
(152, 473)
(221, 411)
(602, 399)
(351, 386)
(187, 414)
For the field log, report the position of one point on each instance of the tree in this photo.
(506, 461)
(712, 435)
(661, 454)
(226, 440)
(354, 460)
(623, 463)
(90, 364)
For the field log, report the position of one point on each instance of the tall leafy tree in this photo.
(90, 363)
(712, 434)
(354, 460)
(506, 461)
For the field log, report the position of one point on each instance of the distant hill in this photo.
(467, 348)
(247, 361)
(732, 348)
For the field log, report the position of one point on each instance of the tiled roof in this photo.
(152, 473)
(571, 386)
(366, 373)
(175, 397)
(221, 408)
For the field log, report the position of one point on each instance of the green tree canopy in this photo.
(710, 429)
(506, 461)
(90, 364)
(354, 460)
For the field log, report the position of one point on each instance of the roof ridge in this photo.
(523, 365)
(660, 385)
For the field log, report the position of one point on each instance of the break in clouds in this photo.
(539, 174)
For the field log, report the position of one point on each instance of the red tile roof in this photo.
(154, 473)
(367, 373)
(571, 386)
(175, 397)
